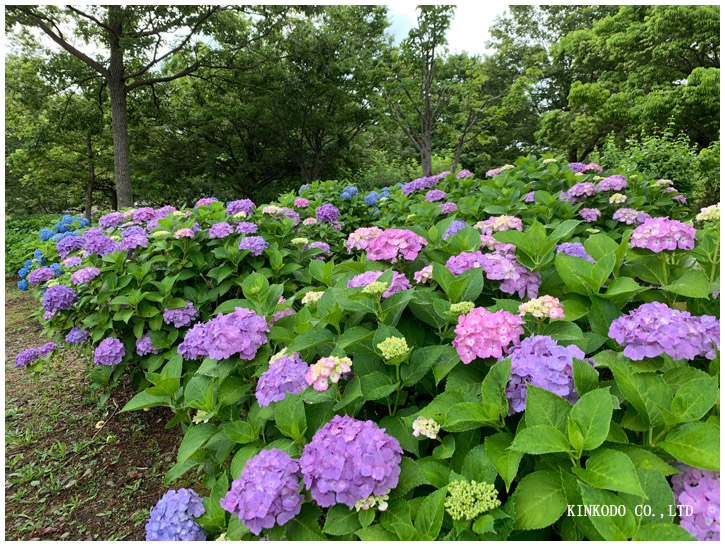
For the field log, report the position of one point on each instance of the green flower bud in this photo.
(469, 499)
(393, 347)
(375, 288)
(462, 308)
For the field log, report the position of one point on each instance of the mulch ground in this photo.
(74, 470)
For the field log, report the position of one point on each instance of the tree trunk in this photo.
(91, 179)
(426, 155)
(119, 112)
(457, 158)
(114, 200)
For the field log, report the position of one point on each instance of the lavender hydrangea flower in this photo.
(574, 249)
(327, 213)
(220, 230)
(68, 245)
(419, 184)
(112, 219)
(577, 167)
(590, 215)
(28, 356)
(76, 335)
(699, 489)
(630, 216)
(464, 173)
(59, 298)
(86, 274)
(144, 214)
(100, 245)
(246, 228)
(324, 247)
(616, 182)
(242, 205)
(392, 243)
(181, 317)
(285, 375)
(194, 344)
(133, 230)
(447, 208)
(173, 517)
(348, 460)
(134, 241)
(144, 346)
(266, 492)
(579, 191)
(184, 232)
(205, 202)
(464, 261)
(398, 284)
(455, 227)
(654, 328)
(109, 352)
(48, 348)
(241, 332)
(256, 245)
(540, 361)
(43, 274)
(658, 234)
(435, 195)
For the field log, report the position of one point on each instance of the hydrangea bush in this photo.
(450, 358)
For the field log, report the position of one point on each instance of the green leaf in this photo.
(592, 414)
(505, 460)
(354, 335)
(695, 398)
(696, 444)
(493, 388)
(662, 532)
(396, 519)
(144, 400)
(411, 476)
(194, 439)
(425, 358)
(446, 449)
(304, 525)
(478, 467)
(376, 532)
(647, 392)
(563, 331)
(613, 470)
(309, 339)
(376, 385)
(692, 284)
(429, 519)
(239, 461)
(585, 376)
(341, 520)
(539, 500)
(240, 432)
(620, 286)
(540, 439)
(646, 460)
(366, 517)
(611, 527)
(660, 497)
(289, 414)
(465, 416)
(545, 408)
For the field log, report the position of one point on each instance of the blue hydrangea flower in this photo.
(372, 198)
(348, 193)
(38, 255)
(46, 234)
(385, 192)
(85, 222)
(57, 237)
(303, 187)
(67, 219)
(173, 517)
(57, 269)
(29, 263)
(60, 227)
(23, 272)
(23, 285)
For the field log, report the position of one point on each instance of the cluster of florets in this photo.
(376, 288)
(464, 261)
(327, 369)
(173, 517)
(132, 242)
(463, 173)
(577, 167)
(435, 195)
(373, 501)
(545, 306)
(256, 245)
(499, 223)
(327, 213)
(679, 197)
(349, 460)
(615, 182)
(540, 361)
(181, 317)
(529, 197)
(321, 245)
(578, 192)
(422, 183)
(242, 205)
(205, 202)
(393, 347)
(220, 230)
(86, 274)
(69, 244)
(361, 238)
(425, 426)
(59, 298)
(424, 275)
(72, 261)
(285, 375)
(590, 215)
(312, 297)
(447, 208)
(462, 307)
(516, 278)
(467, 500)
(42, 274)
(392, 244)
(372, 198)
(246, 228)
(194, 344)
(576, 250)
(76, 335)
(266, 492)
(109, 352)
(654, 328)
(111, 219)
(398, 284)
(494, 172)
(700, 490)
(311, 221)
(299, 241)
(658, 234)
(455, 227)
(489, 243)
(301, 203)
(709, 214)
(28, 356)
(483, 334)
(630, 216)
(617, 199)
(184, 232)
(241, 333)
(348, 193)
(144, 346)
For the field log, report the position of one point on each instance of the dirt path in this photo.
(66, 476)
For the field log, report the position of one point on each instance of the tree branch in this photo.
(91, 18)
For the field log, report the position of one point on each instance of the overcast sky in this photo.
(469, 28)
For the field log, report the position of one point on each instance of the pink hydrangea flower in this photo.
(484, 334)
(301, 203)
(184, 232)
(424, 275)
(658, 234)
(361, 238)
(395, 243)
(327, 369)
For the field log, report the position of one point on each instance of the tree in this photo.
(134, 38)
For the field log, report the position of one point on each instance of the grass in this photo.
(74, 470)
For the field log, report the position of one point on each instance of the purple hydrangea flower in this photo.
(419, 184)
(391, 243)
(86, 274)
(285, 375)
(658, 234)
(590, 215)
(699, 489)
(205, 202)
(181, 317)
(266, 492)
(455, 227)
(630, 216)
(464, 261)
(654, 328)
(256, 245)
(435, 195)
(348, 460)
(280, 315)
(447, 208)
(73, 261)
(28, 356)
(100, 245)
(579, 191)
(48, 348)
(76, 335)
(111, 219)
(242, 205)
(529, 197)
(327, 213)
(144, 214)
(220, 230)
(43, 274)
(241, 332)
(465, 173)
(577, 167)
(59, 298)
(133, 230)
(398, 284)
(246, 228)
(616, 182)
(109, 352)
(69, 244)
(144, 346)
(184, 232)
(324, 247)
(574, 249)
(134, 241)
(173, 517)
(194, 344)
(540, 361)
